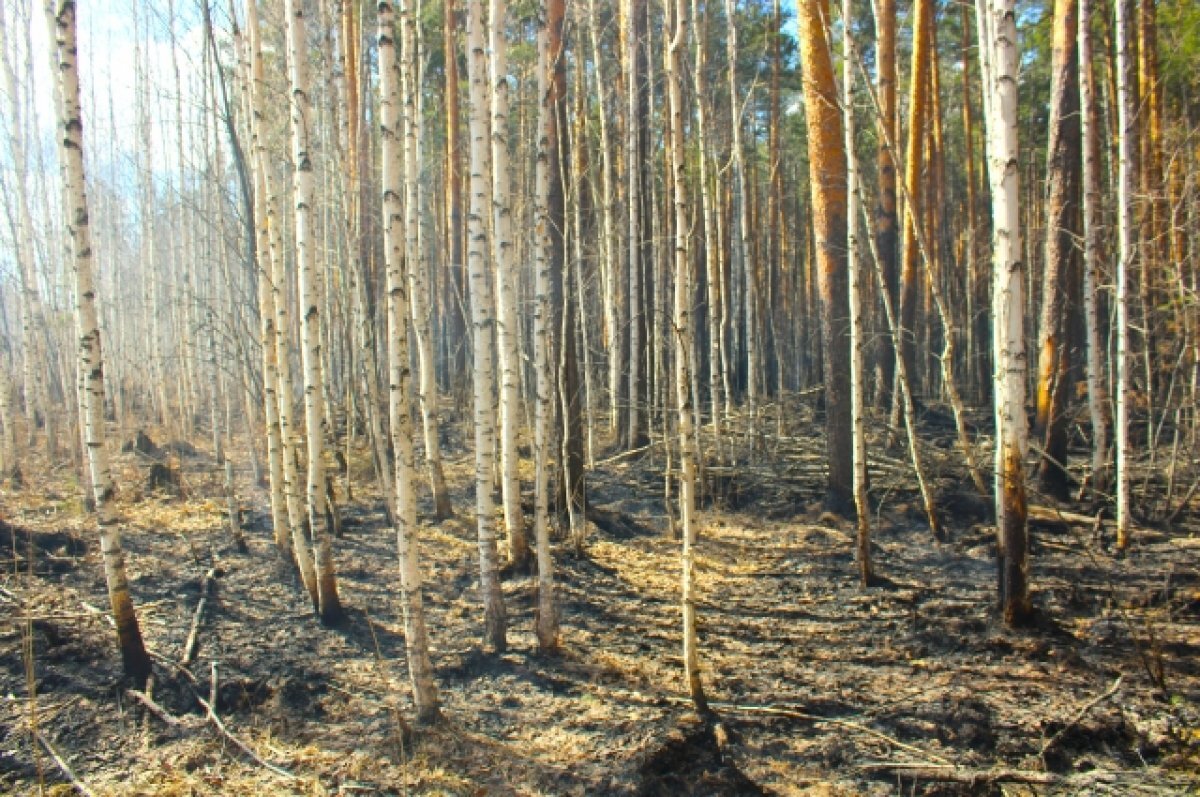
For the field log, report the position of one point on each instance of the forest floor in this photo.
(822, 687)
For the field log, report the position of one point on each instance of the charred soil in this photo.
(819, 685)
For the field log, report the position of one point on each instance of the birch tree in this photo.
(1098, 404)
(503, 257)
(90, 359)
(1126, 143)
(303, 189)
(483, 323)
(857, 324)
(399, 373)
(999, 60)
(301, 550)
(683, 334)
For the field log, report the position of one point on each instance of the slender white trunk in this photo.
(1126, 141)
(998, 19)
(91, 364)
(506, 288)
(1097, 388)
(279, 300)
(266, 300)
(543, 439)
(329, 606)
(858, 336)
(482, 320)
(399, 374)
(683, 354)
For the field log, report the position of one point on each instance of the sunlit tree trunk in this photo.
(482, 319)
(329, 605)
(827, 164)
(503, 256)
(399, 372)
(1127, 142)
(911, 277)
(708, 213)
(999, 59)
(1098, 404)
(91, 363)
(543, 437)
(683, 354)
(266, 301)
(858, 337)
(1060, 278)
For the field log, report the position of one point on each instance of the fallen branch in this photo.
(1049, 514)
(160, 713)
(971, 777)
(193, 640)
(244, 747)
(211, 715)
(1079, 715)
(79, 785)
(790, 713)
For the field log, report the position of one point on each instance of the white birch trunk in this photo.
(1098, 406)
(998, 17)
(399, 374)
(1126, 142)
(91, 363)
(683, 353)
(266, 299)
(329, 606)
(858, 336)
(506, 293)
(277, 286)
(712, 263)
(482, 320)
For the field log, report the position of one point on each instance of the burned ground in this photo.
(820, 686)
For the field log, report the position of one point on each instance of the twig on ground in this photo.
(166, 717)
(193, 639)
(79, 785)
(953, 774)
(1079, 715)
(243, 746)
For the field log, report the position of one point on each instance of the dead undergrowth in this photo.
(821, 687)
